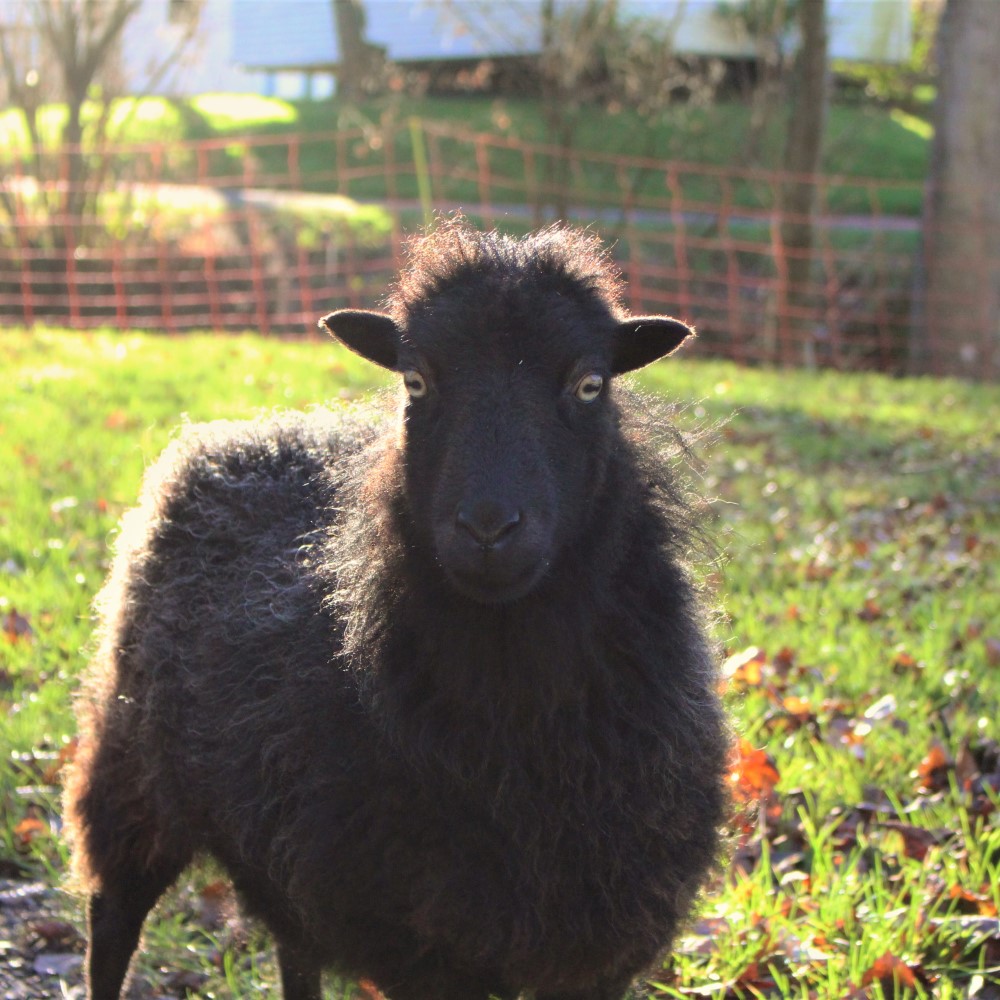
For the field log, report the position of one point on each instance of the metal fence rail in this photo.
(259, 233)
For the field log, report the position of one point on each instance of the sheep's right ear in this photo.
(639, 340)
(373, 335)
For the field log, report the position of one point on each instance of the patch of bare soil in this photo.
(41, 950)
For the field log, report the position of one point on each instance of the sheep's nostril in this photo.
(487, 522)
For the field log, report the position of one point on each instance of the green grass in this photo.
(862, 142)
(860, 517)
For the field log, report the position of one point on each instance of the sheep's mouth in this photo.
(491, 583)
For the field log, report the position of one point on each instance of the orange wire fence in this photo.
(269, 232)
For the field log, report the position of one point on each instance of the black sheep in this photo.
(436, 692)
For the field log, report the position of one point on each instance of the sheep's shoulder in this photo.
(243, 475)
(226, 516)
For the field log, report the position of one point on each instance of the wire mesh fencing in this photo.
(269, 232)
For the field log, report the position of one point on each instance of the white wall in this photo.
(290, 30)
(207, 63)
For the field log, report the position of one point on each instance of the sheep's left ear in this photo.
(373, 335)
(639, 340)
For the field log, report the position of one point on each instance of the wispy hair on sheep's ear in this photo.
(373, 335)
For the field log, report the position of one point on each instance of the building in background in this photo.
(289, 48)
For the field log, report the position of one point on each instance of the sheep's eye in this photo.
(589, 387)
(416, 384)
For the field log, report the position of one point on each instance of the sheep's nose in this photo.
(487, 522)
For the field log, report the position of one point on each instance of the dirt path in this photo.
(41, 950)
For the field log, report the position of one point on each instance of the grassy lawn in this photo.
(862, 142)
(860, 519)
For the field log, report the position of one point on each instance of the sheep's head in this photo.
(507, 350)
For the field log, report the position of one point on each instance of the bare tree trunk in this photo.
(349, 18)
(956, 326)
(574, 77)
(21, 78)
(81, 34)
(557, 116)
(803, 151)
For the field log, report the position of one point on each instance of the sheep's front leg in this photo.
(301, 976)
(114, 936)
(115, 916)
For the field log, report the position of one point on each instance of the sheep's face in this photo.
(509, 424)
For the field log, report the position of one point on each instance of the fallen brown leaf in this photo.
(16, 627)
